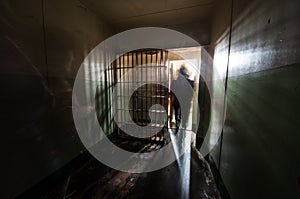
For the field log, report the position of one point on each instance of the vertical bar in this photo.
(120, 94)
(157, 85)
(142, 93)
(115, 80)
(131, 84)
(146, 107)
(111, 101)
(139, 103)
(162, 94)
(161, 87)
(135, 83)
(128, 84)
(170, 93)
(164, 82)
(167, 82)
(151, 76)
(106, 73)
(123, 87)
(110, 94)
(155, 92)
(106, 98)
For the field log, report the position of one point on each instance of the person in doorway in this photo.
(180, 85)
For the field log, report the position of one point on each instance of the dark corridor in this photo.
(87, 99)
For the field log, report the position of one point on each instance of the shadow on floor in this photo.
(88, 178)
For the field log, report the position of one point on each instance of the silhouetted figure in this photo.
(181, 87)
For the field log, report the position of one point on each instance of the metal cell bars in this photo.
(150, 69)
(103, 95)
(109, 98)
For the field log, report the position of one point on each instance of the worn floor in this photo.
(91, 179)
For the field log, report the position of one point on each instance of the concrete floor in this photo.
(91, 179)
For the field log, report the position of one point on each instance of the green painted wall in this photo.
(260, 153)
(260, 147)
(39, 136)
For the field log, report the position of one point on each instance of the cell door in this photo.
(146, 70)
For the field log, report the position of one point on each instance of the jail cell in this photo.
(146, 71)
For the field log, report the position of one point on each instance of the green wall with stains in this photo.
(258, 154)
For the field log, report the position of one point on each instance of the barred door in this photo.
(149, 68)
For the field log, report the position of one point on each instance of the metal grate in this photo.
(150, 68)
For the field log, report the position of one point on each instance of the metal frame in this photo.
(151, 64)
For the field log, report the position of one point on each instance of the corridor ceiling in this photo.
(191, 17)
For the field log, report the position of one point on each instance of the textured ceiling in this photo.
(192, 17)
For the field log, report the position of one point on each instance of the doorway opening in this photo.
(144, 79)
